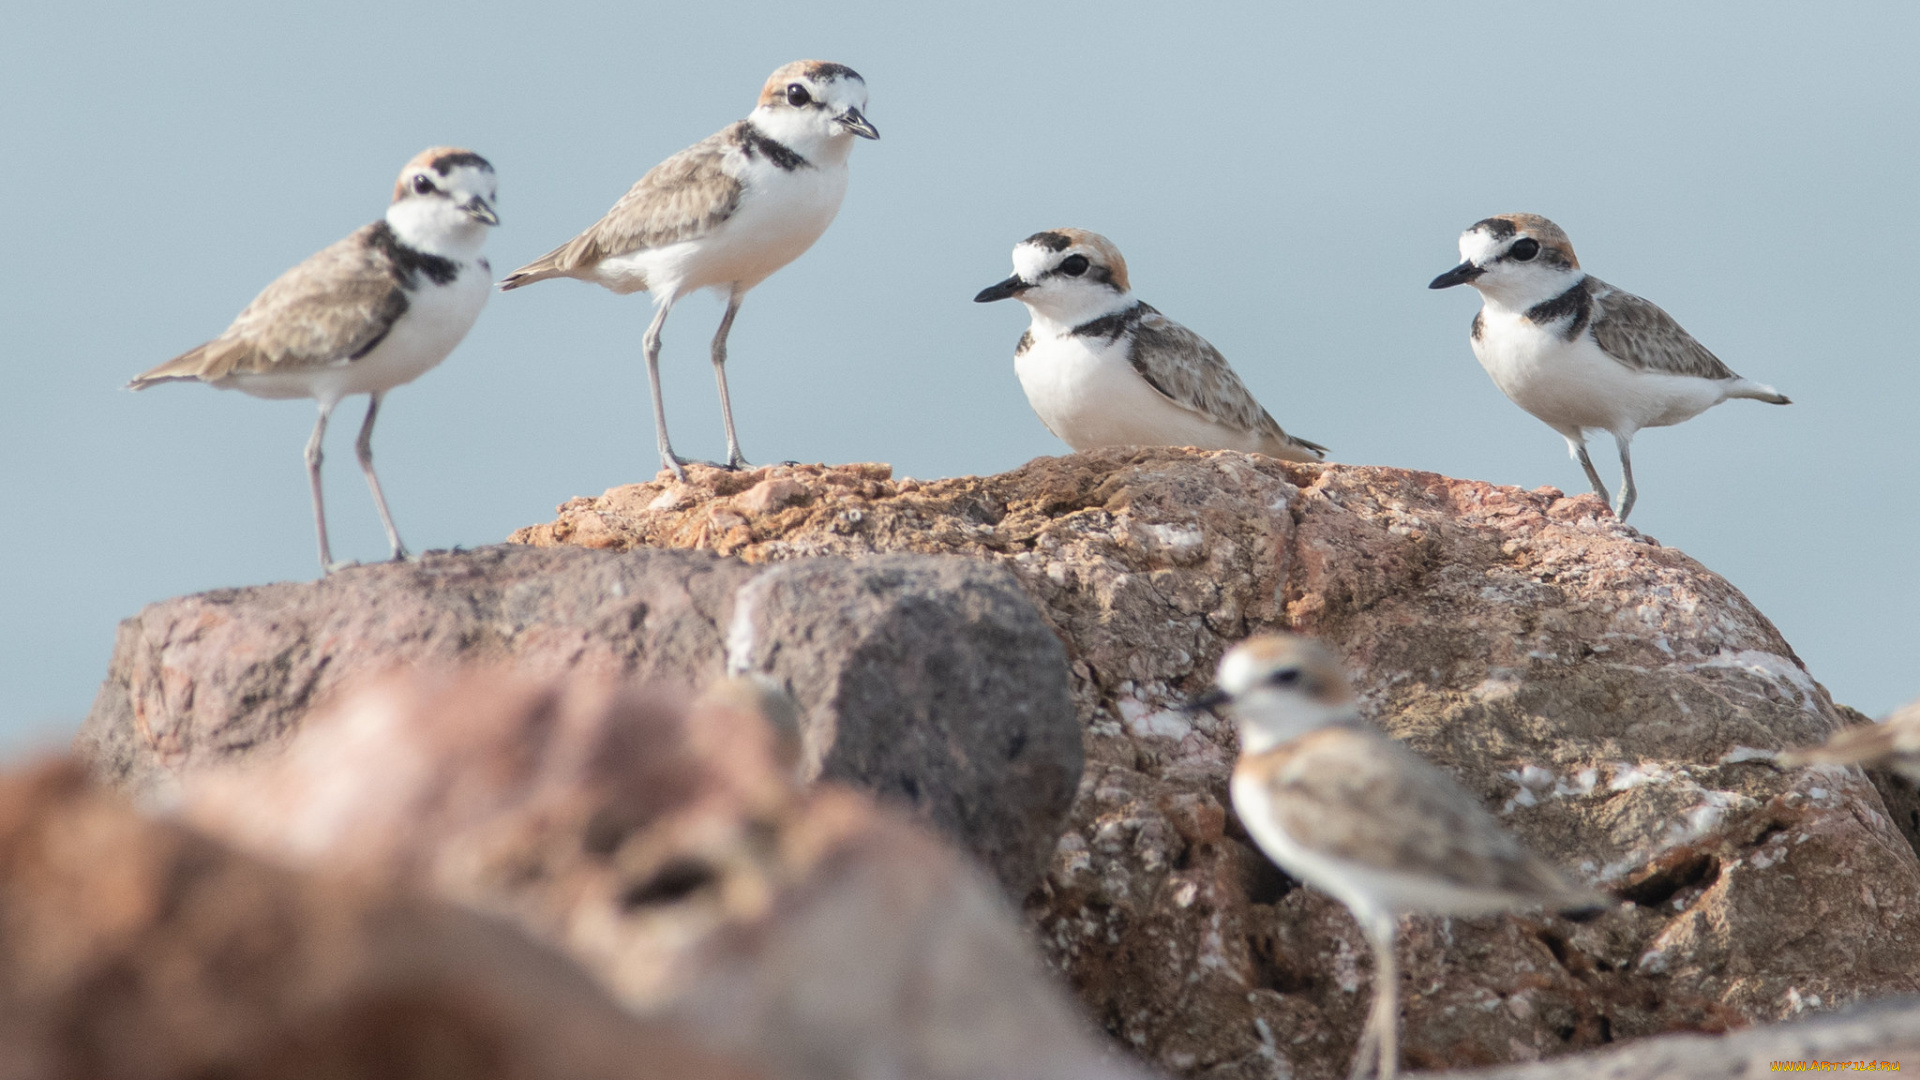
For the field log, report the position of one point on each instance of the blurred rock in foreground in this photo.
(932, 682)
(670, 850)
(135, 950)
(1610, 698)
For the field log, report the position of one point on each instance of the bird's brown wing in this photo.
(683, 198)
(332, 308)
(1190, 372)
(1640, 335)
(1366, 799)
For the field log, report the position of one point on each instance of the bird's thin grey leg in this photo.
(314, 457)
(735, 459)
(363, 447)
(1627, 492)
(1383, 1020)
(652, 345)
(1579, 450)
(1366, 1055)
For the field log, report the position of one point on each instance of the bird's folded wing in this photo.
(1364, 798)
(684, 197)
(333, 308)
(1640, 335)
(1191, 373)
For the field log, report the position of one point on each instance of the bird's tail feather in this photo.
(1747, 388)
(186, 367)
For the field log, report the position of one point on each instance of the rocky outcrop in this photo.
(931, 681)
(1612, 699)
(670, 850)
(1878, 1038)
(135, 950)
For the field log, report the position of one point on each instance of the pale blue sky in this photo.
(1283, 181)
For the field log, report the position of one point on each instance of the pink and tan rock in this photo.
(673, 853)
(932, 682)
(1611, 698)
(136, 950)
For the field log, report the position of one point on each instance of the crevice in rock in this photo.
(678, 879)
(1271, 971)
(1664, 882)
(1557, 945)
(1902, 800)
(1768, 831)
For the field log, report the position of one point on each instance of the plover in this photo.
(724, 213)
(1358, 815)
(1577, 352)
(369, 313)
(1104, 369)
(1893, 742)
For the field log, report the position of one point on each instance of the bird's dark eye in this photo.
(1074, 266)
(797, 95)
(1524, 249)
(423, 186)
(1284, 677)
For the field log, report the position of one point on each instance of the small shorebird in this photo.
(1894, 742)
(725, 213)
(1104, 369)
(1358, 815)
(1578, 353)
(369, 313)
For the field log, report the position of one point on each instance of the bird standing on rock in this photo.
(1104, 369)
(1577, 352)
(373, 311)
(725, 213)
(1358, 815)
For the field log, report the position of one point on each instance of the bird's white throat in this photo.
(437, 227)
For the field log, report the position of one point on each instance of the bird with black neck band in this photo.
(374, 311)
(1102, 368)
(1578, 353)
(1342, 807)
(724, 214)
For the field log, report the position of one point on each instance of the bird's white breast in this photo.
(1574, 384)
(1087, 392)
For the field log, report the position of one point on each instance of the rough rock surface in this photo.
(1868, 1038)
(1609, 697)
(932, 681)
(134, 950)
(673, 853)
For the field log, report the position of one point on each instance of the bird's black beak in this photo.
(1459, 275)
(1210, 700)
(1013, 286)
(859, 125)
(477, 209)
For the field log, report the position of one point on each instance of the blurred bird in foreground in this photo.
(1893, 742)
(1358, 815)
